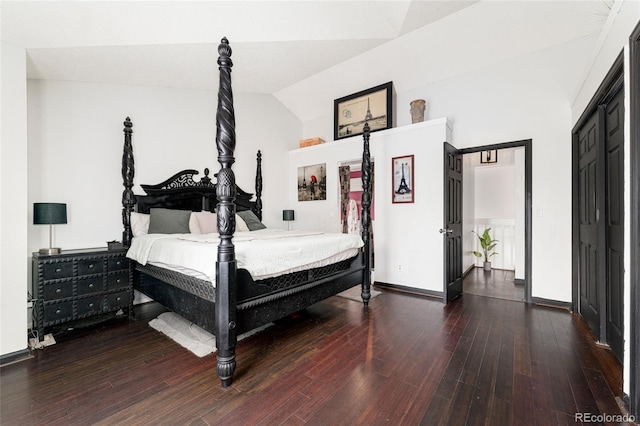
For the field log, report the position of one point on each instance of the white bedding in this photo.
(264, 253)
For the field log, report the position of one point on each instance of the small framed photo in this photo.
(490, 156)
(402, 179)
(312, 182)
(372, 105)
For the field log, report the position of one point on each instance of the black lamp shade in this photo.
(288, 215)
(49, 213)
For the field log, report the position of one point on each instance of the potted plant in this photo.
(488, 244)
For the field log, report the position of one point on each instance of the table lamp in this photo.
(49, 214)
(288, 216)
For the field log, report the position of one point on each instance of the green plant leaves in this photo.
(487, 244)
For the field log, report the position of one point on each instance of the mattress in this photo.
(263, 253)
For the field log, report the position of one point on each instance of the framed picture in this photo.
(371, 105)
(490, 156)
(312, 182)
(402, 179)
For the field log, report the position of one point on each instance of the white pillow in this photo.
(194, 226)
(139, 223)
(207, 221)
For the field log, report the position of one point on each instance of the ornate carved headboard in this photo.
(180, 191)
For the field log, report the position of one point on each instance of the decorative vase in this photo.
(487, 266)
(417, 110)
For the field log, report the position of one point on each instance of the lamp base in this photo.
(50, 250)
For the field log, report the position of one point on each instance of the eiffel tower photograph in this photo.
(312, 182)
(372, 106)
(403, 179)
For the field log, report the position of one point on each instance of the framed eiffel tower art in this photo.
(402, 179)
(373, 106)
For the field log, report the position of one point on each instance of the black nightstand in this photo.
(77, 284)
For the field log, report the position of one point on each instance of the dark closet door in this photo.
(589, 215)
(614, 160)
(453, 222)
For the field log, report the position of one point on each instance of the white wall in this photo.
(75, 150)
(521, 98)
(495, 209)
(495, 191)
(525, 98)
(14, 262)
(76, 138)
(407, 241)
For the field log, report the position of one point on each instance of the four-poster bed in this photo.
(238, 302)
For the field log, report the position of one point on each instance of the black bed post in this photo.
(226, 191)
(366, 215)
(128, 170)
(258, 211)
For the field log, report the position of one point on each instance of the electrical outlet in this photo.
(399, 267)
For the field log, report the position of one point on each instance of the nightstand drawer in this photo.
(118, 280)
(90, 266)
(90, 285)
(90, 305)
(118, 300)
(58, 312)
(117, 264)
(78, 284)
(57, 270)
(58, 291)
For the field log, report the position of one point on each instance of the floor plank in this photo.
(406, 360)
(496, 283)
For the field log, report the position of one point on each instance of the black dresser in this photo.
(77, 284)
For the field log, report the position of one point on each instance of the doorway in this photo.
(350, 201)
(494, 208)
(458, 260)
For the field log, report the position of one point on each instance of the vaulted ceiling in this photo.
(174, 43)
(276, 44)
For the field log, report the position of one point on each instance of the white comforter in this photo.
(264, 253)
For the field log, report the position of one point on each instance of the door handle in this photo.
(446, 231)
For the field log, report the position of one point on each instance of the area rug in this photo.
(189, 335)
(354, 293)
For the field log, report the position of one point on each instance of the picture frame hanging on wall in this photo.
(312, 182)
(488, 157)
(372, 105)
(402, 183)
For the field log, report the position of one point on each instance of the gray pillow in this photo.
(252, 221)
(168, 221)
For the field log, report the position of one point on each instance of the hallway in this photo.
(496, 283)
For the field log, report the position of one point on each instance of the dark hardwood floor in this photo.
(495, 283)
(408, 360)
